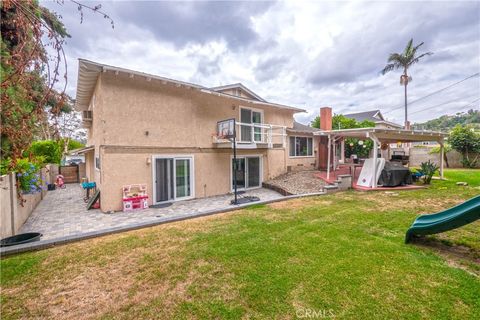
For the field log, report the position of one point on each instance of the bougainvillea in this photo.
(32, 55)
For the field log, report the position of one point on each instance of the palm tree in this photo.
(404, 61)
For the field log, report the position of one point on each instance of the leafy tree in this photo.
(29, 71)
(339, 121)
(49, 149)
(352, 145)
(467, 142)
(52, 151)
(31, 53)
(404, 61)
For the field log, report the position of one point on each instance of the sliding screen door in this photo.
(164, 180)
(239, 173)
(248, 172)
(253, 169)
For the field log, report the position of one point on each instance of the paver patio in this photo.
(63, 212)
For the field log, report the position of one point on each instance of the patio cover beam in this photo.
(442, 155)
(376, 142)
(386, 135)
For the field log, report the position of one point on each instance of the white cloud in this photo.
(307, 54)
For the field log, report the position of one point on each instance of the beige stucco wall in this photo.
(90, 166)
(212, 171)
(136, 112)
(131, 114)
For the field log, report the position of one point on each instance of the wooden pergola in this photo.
(379, 136)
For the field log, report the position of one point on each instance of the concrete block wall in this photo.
(422, 154)
(13, 214)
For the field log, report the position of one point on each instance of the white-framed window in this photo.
(301, 147)
(251, 117)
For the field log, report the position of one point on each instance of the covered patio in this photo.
(337, 165)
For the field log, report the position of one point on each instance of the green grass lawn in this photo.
(464, 175)
(340, 255)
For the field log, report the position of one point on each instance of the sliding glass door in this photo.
(173, 178)
(247, 172)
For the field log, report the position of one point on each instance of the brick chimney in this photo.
(325, 124)
(326, 118)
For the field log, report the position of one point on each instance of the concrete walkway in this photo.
(63, 213)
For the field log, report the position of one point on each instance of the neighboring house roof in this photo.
(301, 128)
(372, 115)
(88, 72)
(238, 86)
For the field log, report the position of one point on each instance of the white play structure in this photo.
(368, 174)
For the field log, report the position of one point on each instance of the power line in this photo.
(441, 104)
(435, 92)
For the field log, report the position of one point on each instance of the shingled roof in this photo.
(301, 128)
(373, 115)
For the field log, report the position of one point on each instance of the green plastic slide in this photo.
(449, 219)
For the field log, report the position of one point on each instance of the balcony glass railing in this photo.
(260, 133)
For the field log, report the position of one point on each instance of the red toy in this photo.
(60, 181)
(135, 197)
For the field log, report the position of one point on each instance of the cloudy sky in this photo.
(304, 54)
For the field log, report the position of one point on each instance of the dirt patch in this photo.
(455, 255)
(300, 182)
(386, 202)
(300, 203)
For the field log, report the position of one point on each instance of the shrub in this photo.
(28, 175)
(466, 141)
(427, 169)
(49, 149)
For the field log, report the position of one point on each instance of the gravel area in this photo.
(298, 182)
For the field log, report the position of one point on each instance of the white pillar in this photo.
(329, 156)
(442, 155)
(375, 164)
(342, 150)
(334, 155)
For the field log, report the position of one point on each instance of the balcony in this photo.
(255, 136)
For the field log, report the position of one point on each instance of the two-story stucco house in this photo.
(146, 129)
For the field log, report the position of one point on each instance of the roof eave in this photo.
(82, 103)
